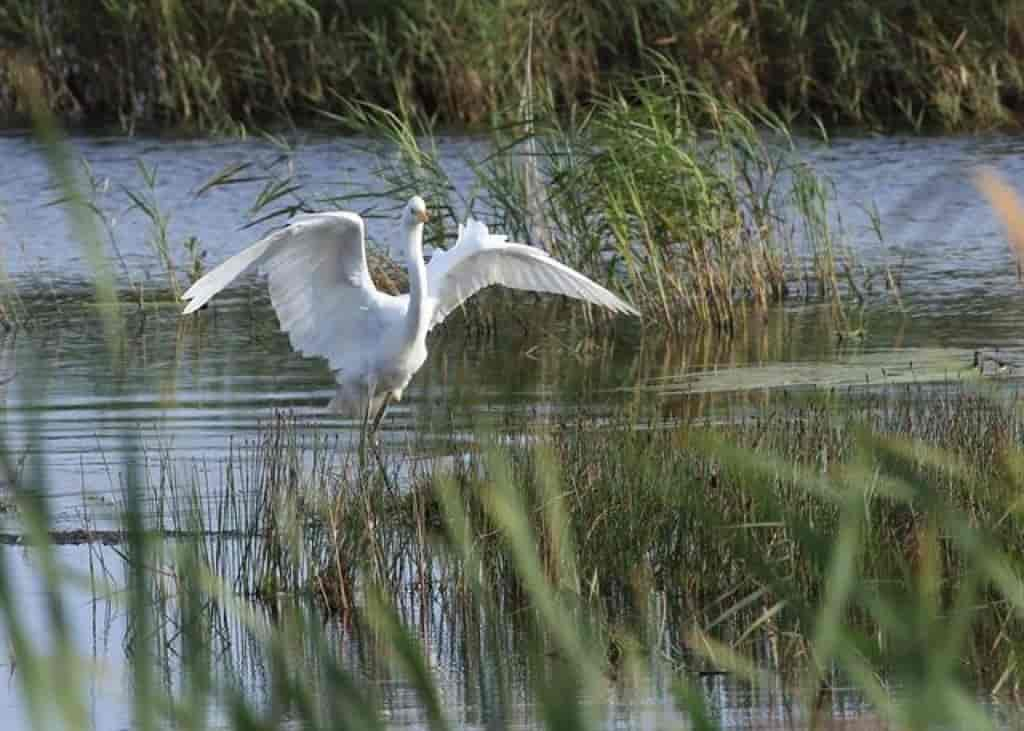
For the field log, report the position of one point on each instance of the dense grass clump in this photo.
(226, 66)
(689, 206)
(734, 529)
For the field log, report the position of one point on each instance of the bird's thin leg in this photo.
(364, 436)
(375, 443)
(380, 415)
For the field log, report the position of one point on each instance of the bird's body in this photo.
(375, 342)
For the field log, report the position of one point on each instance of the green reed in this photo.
(692, 207)
(697, 210)
(731, 527)
(874, 545)
(232, 67)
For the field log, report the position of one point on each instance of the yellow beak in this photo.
(422, 216)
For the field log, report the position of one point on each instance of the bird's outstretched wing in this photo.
(480, 259)
(319, 285)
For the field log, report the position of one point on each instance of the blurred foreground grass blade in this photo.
(924, 632)
(690, 698)
(60, 160)
(841, 584)
(197, 684)
(333, 699)
(408, 655)
(722, 656)
(560, 545)
(1006, 203)
(141, 560)
(32, 674)
(45, 662)
(505, 507)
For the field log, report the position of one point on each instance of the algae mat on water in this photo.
(876, 368)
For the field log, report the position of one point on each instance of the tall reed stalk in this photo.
(692, 207)
(232, 67)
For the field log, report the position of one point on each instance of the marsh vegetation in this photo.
(867, 542)
(232, 67)
(588, 519)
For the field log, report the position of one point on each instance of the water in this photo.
(196, 390)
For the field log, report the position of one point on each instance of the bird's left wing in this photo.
(320, 287)
(480, 259)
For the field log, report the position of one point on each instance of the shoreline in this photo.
(198, 69)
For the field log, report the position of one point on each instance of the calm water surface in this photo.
(196, 390)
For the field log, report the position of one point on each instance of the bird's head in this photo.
(415, 213)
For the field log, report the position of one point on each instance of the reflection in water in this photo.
(7, 373)
(464, 643)
(194, 389)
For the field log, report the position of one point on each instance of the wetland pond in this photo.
(192, 394)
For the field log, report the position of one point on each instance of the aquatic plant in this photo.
(814, 544)
(229, 68)
(648, 510)
(692, 207)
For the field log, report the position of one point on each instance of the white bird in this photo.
(374, 342)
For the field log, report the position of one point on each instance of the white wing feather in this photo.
(214, 281)
(480, 259)
(320, 287)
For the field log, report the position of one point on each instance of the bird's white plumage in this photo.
(481, 259)
(321, 289)
(325, 300)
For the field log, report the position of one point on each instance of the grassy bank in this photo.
(226, 66)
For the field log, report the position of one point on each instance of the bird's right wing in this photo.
(480, 259)
(319, 285)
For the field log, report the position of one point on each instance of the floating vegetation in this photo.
(870, 369)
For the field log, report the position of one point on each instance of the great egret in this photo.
(374, 342)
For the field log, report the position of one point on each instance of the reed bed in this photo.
(875, 544)
(229, 67)
(699, 213)
(648, 509)
(823, 543)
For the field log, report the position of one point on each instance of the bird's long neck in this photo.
(416, 318)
